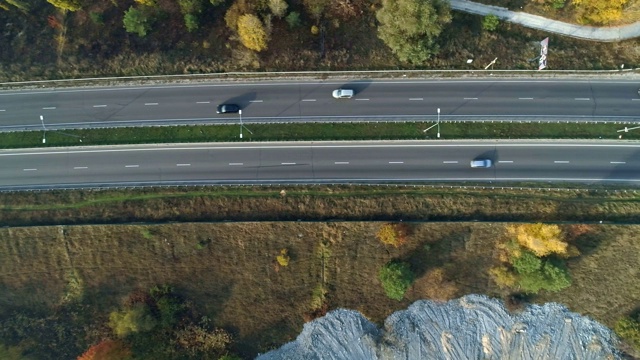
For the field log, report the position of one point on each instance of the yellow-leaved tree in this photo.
(599, 12)
(541, 239)
(252, 32)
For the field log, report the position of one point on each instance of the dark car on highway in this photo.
(228, 108)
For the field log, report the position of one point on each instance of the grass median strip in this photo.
(315, 131)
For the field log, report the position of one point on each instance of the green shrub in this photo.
(136, 21)
(191, 22)
(551, 276)
(293, 19)
(629, 329)
(490, 22)
(396, 277)
(138, 318)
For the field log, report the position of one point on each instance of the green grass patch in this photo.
(316, 132)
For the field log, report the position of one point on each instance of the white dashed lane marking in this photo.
(236, 164)
(341, 163)
(308, 99)
(362, 99)
(255, 101)
(416, 99)
(618, 162)
(203, 102)
(98, 106)
(505, 161)
(525, 98)
(449, 162)
(80, 167)
(396, 162)
(560, 162)
(151, 104)
(471, 98)
(29, 169)
(183, 164)
(132, 166)
(582, 99)
(288, 163)
(49, 108)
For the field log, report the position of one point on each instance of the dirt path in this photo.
(614, 33)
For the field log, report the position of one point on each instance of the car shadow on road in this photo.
(357, 86)
(243, 100)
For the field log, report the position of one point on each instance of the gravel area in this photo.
(472, 327)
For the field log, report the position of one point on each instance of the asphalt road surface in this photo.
(358, 162)
(579, 100)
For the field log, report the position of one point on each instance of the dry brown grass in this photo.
(229, 269)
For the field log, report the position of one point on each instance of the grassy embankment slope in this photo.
(229, 270)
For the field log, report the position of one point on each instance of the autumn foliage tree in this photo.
(107, 350)
(393, 234)
(69, 5)
(541, 239)
(252, 32)
(601, 12)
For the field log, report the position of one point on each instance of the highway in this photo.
(339, 162)
(298, 101)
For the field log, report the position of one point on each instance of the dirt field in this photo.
(229, 270)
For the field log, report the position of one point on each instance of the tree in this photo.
(136, 21)
(392, 234)
(138, 318)
(252, 32)
(190, 6)
(12, 353)
(535, 274)
(602, 12)
(315, 8)
(69, 5)
(191, 22)
(293, 19)
(413, 38)
(107, 350)
(278, 7)
(21, 5)
(396, 277)
(490, 22)
(541, 239)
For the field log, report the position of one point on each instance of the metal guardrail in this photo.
(317, 74)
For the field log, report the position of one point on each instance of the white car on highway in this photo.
(343, 93)
(481, 163)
